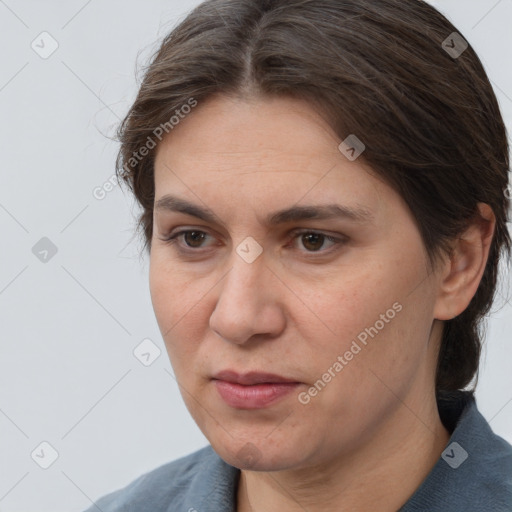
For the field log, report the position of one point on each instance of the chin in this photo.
(262, 456)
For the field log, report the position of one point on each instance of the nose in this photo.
(250, 303)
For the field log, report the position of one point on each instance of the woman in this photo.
(324, 200)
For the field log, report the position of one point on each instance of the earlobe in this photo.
(464, 268)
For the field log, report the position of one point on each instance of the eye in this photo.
(192, 238)
(313, 241)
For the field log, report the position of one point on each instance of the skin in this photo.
(371, 436)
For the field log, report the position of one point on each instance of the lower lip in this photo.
(253, 397)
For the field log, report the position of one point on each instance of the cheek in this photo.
(344, 305)
(173, 293)
(375, 317)
(177, 306)
(381, 357)
(163, 294)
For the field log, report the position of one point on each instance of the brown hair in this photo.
(378, 69)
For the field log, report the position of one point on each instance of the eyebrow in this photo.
(292, 214)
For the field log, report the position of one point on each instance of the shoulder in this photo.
(173, 483)
(488, 476)
(474, 472)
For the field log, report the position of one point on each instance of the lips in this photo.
(252, 390)
(251, 378)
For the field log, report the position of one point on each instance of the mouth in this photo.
(252, 390)
(252, 378)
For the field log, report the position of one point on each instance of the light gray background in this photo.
(69, 326)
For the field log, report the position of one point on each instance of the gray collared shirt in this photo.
(474, 474)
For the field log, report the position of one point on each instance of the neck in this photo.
(381, 475)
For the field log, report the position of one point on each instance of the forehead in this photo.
(262, 155)
(232, 129)
(234, 136)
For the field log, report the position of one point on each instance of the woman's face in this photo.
(341, 305)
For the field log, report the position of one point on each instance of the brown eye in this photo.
(194, 237)
(313, 241)
(189, 239)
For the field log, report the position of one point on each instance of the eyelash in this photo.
(337, 241)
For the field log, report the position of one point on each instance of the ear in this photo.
(462, 271)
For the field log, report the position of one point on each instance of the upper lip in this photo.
(250, 378)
